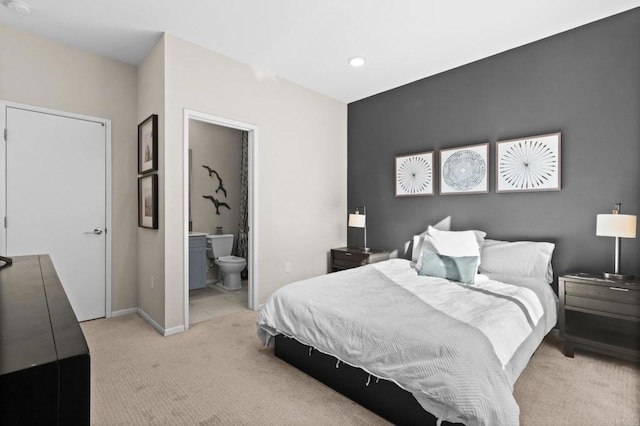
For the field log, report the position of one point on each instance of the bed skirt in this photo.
(383, 397)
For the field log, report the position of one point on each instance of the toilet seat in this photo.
(231, 259)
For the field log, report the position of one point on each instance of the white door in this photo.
(56, 198)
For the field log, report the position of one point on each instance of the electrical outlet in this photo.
(152, 283)
(287, 267)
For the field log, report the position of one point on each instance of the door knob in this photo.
(96, 231)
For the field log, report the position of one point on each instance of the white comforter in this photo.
(457, 348)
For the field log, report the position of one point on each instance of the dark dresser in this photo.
(44, 358)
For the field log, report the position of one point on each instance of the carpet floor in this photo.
(218, 373)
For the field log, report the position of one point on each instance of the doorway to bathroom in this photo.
(219, 201)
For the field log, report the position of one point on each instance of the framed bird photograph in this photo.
(148, 201)
(148, 145)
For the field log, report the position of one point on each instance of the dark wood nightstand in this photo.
(599, 315)
(352, 257)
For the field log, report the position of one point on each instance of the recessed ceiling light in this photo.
(19, 7)
(356, 61)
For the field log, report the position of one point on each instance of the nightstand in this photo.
(352, 257)
(599, 315)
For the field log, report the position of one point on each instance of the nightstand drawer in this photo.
(349, 259)
(352, 257)
(612, 292)
(602, 306)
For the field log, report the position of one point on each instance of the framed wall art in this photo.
(528, 164)
(414, 174)
(464, 170)
(148, 201)
(148, 145)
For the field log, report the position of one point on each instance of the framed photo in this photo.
(148, 201)
(148, 145)
(464, 170)
(414, 174)
(528, 164)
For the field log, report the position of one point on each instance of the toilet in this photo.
(229, 267)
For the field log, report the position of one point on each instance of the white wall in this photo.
(43, 73)
(301, 155)
(301, 170)
(151, 253)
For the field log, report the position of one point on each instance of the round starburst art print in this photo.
(414, 174)
(528, 164)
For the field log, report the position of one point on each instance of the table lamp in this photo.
(619, 226)
(357, 220)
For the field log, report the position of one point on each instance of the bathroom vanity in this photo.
(197, 260)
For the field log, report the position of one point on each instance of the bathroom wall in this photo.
(217, 147)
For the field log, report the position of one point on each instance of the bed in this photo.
(404, 326)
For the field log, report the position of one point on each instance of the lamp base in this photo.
(365, 249)
(622, 277)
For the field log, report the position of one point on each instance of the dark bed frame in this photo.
(383, 397)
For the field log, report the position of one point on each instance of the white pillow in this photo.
(453, 243)
(418, 241)
(449, 243)
(521, 258)
(416, 248)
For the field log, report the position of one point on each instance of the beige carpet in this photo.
(218, 373)
(589, 389)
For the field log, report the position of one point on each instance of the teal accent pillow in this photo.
(461, 269)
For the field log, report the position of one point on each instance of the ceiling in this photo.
(309, 42)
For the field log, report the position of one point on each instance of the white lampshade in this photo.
(357, 220)
(616, 225)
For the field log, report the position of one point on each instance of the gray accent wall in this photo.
(584, 83)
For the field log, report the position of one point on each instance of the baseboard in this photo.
(174, 330)
(150, 320)
(124, 312)
(158, 327)
(143, 314)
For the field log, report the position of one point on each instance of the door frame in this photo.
(252, 232)
(4, 105)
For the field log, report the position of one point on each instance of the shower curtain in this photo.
(243, 244)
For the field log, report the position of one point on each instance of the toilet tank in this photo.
(219, 245)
